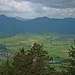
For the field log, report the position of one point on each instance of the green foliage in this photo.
(7, 69)
(31, 62)
(71, 62)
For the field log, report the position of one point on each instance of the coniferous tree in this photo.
(20, 62)
(40, 60)
(32, 62)
(71, 62)
(7, 69)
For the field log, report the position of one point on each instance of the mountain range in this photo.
(13, 26)
(22, 19)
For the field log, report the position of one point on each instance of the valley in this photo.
(57, 45)
(56, 35)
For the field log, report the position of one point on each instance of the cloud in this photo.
(15, 6)
(24, 7)
(54, 3)
(38, 8)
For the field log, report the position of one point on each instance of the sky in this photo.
(38, 8)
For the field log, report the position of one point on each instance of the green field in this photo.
(57, 45)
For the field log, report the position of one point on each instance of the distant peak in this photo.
(45, 17)
(2, 15)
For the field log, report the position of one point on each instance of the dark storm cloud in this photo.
(54, 3)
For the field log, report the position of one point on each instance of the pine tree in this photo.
(7, 69)
(71, 62)
(32, 62)
(20, 63)
(40, 60)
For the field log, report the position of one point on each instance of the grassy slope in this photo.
(54, 44)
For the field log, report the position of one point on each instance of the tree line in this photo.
(36, 62)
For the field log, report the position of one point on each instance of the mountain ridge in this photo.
(38, 25)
